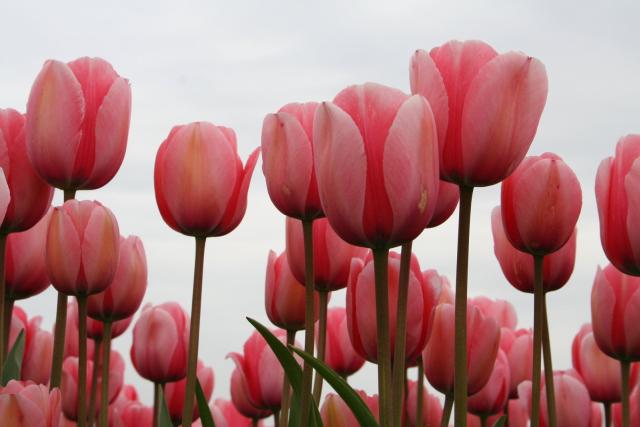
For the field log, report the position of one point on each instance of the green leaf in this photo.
(203, 408)
(501, 421)
(164, 419)
(350, 397)
(13, 364)
(293, 372)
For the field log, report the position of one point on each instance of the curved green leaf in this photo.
(203, 408)
(501, 421)
(164, 419)
(13, 364)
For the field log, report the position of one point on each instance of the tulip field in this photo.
(349, 324)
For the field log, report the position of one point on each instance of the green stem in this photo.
(446, 411)
(420, 398)
(538, 326)
(462, 271)
(3, 335)
(401, 333)
(196, 303)
(309, 328)
(157, 392)
(548, 366)
(322, 342)
(625, 368)
(254, 422)
(276, 418)
(286, 387)
(483, 421)
(82, 360)
(94, 380)
(8, 314)
(607, 414)
(380, 263)
(104, 395)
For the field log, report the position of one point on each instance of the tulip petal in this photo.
(5, 197)
(63, 252)
(632, 188)
(603, 301)
(100, 249)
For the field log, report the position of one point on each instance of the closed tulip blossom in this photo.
(518, 347)
(232, 416)
(160, 340)
(431, 407)
(618, 201)
(573, 404)
(38, 351)
(501, 310)
(26, 405)
(492, 398)
(78, 123)
(517, 266)
(448, 198)
(174, 392)
(335, 412)
(340, 354)
(133, 414)
(240, 398)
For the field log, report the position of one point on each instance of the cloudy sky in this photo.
(233, 62)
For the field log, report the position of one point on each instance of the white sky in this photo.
(233, 62)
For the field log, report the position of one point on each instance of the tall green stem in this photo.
(157, 396)
(483, 421)
(82, 360)
(3, 338)
(322, 342)
(309, 322)
(462, 270)
(106, 354)
(380, 263)
(8, 314)
(286, 387)
(276, 419)
(419, 394)
(625, 368)
(446, 411)
(94, 380)
(192, 361)
(548, 366)
(538, 326)
(607, 414)
(401, 334)
(61, 326)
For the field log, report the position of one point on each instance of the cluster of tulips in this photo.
(355, 177)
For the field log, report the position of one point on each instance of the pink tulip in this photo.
(219, 418)
(78, 123)
(331, 255)
(5, 196)
(483, 341)
(128, 395)
(616, 410)
(517, 266)
(573, 405)
(287, 156)
(82, 248)
(540, 204)
(25, 267)
(232, 416)
(201, 186)
(501, 310)
(29, 405)
(431, 407)
(441, 284)
(335, 412)
(615, 313)
(487, 107)
(422, 297)
(38, 352)
(95, 328)
(492, 398)
(518, 347)
(133, 414)
(339, 352)
(260, 372)
(174, 392)
(124, 295)
(619, 205)
(32, 196)
(362, 140)
(71, 339)
(160, 342)
(448, 198)
(240, 398)
(284, 296)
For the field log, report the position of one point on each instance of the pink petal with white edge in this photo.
(410, 167)
(63, 252)
(112, 131)
(341, 169)
(632, 187)
(500, 116)
(55, 111)
(5, 197)
(100, 250)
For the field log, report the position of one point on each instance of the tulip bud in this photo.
(492, 398)
(231, 415)
(240, 398)
(518, 347)
(335, 412)
(431, 407)
(38, 353)
(174, 392)
(339, 352)
(448, 198)
(501, 310)
(25, 405)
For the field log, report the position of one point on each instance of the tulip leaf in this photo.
(203, 408)
(164, 419)
(351, 398)
(13, 364)
(293, 372)
(501, 421)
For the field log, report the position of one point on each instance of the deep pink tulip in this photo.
(483, 341)
(78, 123)
(71, 341)
(232, 416)
(284, 296)
(487, 107)
(501, 310)
(422, 298)
(339, 352)
(260, 372)
(517, 266)
(38, 352)
(82, 248)
(615, 313)
(95, 328)
(518, 347)
(362, 140)
(25, 267)
(240, 398)
(618, 200)
(201, 186)
(431, 407)
(335, 412)
(160, 342)
(616, 410)
(492, 398)
(174, 392)
(124, 295)
(448, 198)
(540, 204)
(28, 405)
(331, 255)
(287, 160)
(32, 196)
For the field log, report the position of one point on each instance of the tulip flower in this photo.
(634, 416)
(38, 352)
(518, 347)
(95, 328)
(335, 412)
(492, 398)
(517, 266)
(128, 395)
(218, 416)
(448, 198)
(174, 393)
(240, 398)
(133, 414)
(340, 354)
(501, 310)
(26, 405)
(573, 403)
(232, 416)
(431, 407)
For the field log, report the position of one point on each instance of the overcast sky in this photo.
(233, 62)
